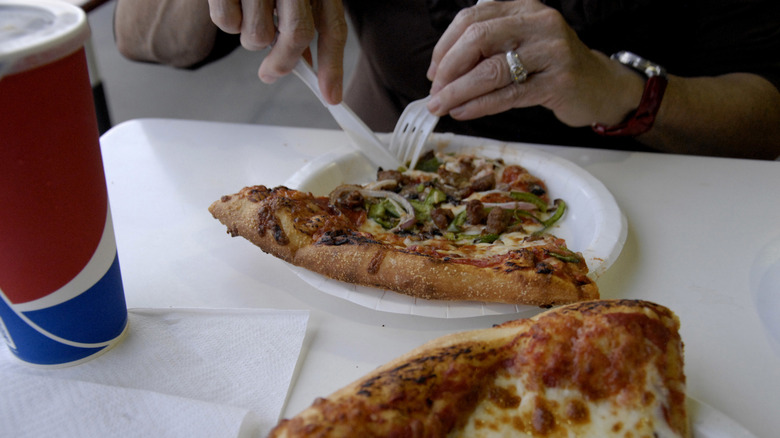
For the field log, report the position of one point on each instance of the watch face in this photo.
(639, 64)
(627, 58)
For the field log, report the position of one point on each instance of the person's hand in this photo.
(290, 26)
(471, 76)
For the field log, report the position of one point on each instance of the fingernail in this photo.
(252, 41)
(434, 105)
(431, 71)
(268, 79)
(337, 93)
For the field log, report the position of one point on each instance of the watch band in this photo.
(641, 119)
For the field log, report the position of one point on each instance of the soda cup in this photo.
(61, 295)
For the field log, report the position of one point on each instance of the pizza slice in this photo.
(593, 369)
(458, 227)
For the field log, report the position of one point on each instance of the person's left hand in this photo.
(471, 76)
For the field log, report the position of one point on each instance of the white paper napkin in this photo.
(178, 373)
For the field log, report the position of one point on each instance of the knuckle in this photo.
(225, 22)
(476, 32)
(253, 39)
(465, 17)
(336, 30)
(300, 33)
(516, 94)
(517, 21)
(493, 70)
(303, 36)
(226, 14)
(330, 22)
(551, 18)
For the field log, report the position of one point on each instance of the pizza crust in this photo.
(434, 279)
(286, 229)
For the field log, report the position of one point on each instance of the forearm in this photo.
(735, 115)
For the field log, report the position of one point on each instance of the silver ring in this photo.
(516, 68)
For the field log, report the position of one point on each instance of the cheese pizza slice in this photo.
(591, 369)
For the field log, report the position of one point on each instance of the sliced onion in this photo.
(485, 193)
(381, 185)
(509, 205)
(480, 195)
(514, 205)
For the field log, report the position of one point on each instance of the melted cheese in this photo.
(461, 248)
(464, 242)
(467, 248)
(560, 412)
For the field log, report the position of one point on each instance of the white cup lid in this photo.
(37, 32)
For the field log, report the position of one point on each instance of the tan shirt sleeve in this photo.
(178, 33)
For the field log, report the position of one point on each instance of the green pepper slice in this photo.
(435, 197)
(385, 213)
(429, 165)
(560, 205)
(457, 222)
(560, 209)
(487, 238)
(531, 198)
(571, 257)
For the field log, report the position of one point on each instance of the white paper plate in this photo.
(764, 285)
(593, 224)
(708, 422)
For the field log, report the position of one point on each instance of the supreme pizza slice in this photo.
(593, 369)
(458, 227)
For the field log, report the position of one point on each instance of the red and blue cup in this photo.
(61, 295)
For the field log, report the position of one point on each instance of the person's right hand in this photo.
(471, 77)
(296, 25)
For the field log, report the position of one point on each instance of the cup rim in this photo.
(66, 30)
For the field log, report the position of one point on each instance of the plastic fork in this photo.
(360, 134)
(412, 131)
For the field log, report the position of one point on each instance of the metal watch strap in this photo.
(641, 119)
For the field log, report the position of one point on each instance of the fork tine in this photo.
(412, 130)
(411, 125)
(402, 130)
(417, 113)
(424, 122)
(425, 129)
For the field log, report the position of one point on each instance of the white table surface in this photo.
(703, 239)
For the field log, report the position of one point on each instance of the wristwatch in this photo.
(641, 119)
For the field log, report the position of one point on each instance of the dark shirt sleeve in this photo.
(736, 36)
(688, 37)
